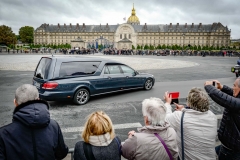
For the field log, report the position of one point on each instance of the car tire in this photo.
(237, 75)
(81, 96)
(148, 84)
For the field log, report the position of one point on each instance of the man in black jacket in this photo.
(32, 135)
(229, 130)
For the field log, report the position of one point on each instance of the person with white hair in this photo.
(156, 140)
(196, 126)
(32, 134)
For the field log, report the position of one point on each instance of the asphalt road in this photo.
(123, 108)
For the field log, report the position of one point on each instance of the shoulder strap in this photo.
(119, 146)
(88, 151)
(164, 145)
(182, 138)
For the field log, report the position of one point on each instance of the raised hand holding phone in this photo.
(167, 97)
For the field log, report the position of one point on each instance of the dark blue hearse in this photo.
(78, 78)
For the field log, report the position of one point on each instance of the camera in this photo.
(213, 83)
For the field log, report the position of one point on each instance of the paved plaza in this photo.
(29, 63)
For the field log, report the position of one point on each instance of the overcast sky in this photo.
(18, 13)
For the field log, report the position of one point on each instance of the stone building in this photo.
(126, 35)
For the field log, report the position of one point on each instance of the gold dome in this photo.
(133, 19)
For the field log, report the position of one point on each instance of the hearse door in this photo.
(131, 79)
(115, 78)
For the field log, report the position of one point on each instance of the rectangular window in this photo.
(78, 68)
(113, 69)
(43, 68)
(120, 36)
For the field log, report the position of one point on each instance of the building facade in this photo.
(124, 36)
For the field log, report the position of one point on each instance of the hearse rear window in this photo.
(78, 68)
(43, 67)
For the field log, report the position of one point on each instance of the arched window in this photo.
(120, 36)
(129, 36)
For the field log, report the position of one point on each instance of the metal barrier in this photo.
(71, 151)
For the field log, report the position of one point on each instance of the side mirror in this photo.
(135, 73)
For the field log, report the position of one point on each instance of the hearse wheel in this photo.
(81, 96)
(148, 84)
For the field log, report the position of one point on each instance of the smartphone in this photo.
(213, 83)
(175, 96)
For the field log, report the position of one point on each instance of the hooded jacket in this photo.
(229, 130)
(32, 135)
(145, 145)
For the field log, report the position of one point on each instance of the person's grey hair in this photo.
(155, 110)
(25, 93)
(198, 99)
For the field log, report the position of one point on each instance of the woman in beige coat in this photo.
(145, 144)
(199, 126)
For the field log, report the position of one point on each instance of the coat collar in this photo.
(153, 129)
(28, 103)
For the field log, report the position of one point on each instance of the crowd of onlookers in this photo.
(187, 133)
(114, 51)
(167, 52)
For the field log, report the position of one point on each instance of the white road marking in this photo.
(116, 126)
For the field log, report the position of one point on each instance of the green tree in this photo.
(173, 47)
(207, 47)
(18, 37)
(151, 47)
(146, 47)
(211, 48)
(138, 47)
(199, 48)
(7, 36)
(100, 46)
(163, 46)
(133, 47)
(159, 46)
(26, 34)
(195, 47)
